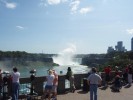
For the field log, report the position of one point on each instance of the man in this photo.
(15, 83)
(107, 71)
(94, 80)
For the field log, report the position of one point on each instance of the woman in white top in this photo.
(15, 84)
(49, 85)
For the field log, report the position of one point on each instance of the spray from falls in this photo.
(66, 57)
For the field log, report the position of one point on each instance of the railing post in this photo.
(38, 85)
(61, 84)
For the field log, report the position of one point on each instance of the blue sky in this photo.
(49, 26)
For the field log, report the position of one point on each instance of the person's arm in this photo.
(100, 81)
(88, 82)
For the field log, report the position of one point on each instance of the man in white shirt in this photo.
(15, 84)
(94, 80)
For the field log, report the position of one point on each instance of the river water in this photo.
(43, 70)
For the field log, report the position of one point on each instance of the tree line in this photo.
(121, 59)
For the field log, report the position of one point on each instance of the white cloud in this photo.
(74, 6)
(85, 10)
(54, 2)
(130, 31)
(20, 27)
(43, 3)
(51, 2)
(11, 5)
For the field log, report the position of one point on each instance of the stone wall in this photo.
(38, 82)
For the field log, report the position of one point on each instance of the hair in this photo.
(50, 72)
(69, 69)
(94, 69)
(15, 69)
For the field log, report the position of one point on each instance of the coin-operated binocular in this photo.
(33, 74)
(32, 78)
(6, 84)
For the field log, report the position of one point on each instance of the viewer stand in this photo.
(32, 95)
(5, 86)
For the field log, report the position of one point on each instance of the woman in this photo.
(71, 79)
(49, 85)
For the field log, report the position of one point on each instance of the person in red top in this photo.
(117, 71)
(107, 71)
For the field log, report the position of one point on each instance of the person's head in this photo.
(50, 72)
(69, 69)
(117, 77)
(15, 69)
(94, 70)
(108, 66)
(55, 73)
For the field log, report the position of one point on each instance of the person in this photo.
(15, 83)
(49, 85)
(117, 71)
(1, 82)
(55, 84)
(107, 71)
(130, 72)
(70, 77)
(116, 84)
(94, 80)
(125, 75)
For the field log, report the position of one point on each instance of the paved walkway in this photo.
(103, 94)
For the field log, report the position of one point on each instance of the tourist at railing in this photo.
(55, 84)
(107, 71)
(15, 83)
(94, 80)
(117, 72)
(125, 75)
(130, 72)
(116, 84)
(49, 85)
(70, 77)
(0, 83)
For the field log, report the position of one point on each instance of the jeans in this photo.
(15, 91)
(93, 91)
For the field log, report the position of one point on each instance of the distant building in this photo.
(119, 46)
(110, 49)
(132, 44)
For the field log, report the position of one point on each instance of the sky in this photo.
(50, 26)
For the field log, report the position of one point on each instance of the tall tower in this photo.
(132, 44)
(119, 46)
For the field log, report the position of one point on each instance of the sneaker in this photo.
(54, 98)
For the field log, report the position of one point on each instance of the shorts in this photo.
(48, 87)
(54, 89)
